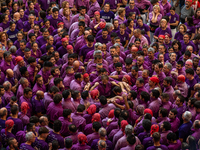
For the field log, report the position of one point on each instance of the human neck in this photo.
(3, 118)
(157, 143)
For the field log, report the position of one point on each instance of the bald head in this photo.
(40, 94)
(7, 85)
(16, 16)
(9, 73)
(76, 64)
(3, 112)
(197, 87)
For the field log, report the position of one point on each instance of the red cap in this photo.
(147, 110)
(162, 36)
(91, 109)
(102, 25)
(96, 117)
(60, 23)
(154, 128)
(85, 75)
(128, 78)
(96, 13)
(154, 79)
(189, 1)
(24, 107)
(188, 62)
(82, 138)
(8, 124)
(124, 123)
(94, 93)
(181, 78)
(69, 47)
(64, 39)
(111, 114)
(18, 59)
(134, 49)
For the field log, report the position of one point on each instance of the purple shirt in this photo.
(76, 85)
(24, 99)
(47, 100)
(163, 147)
(94, 144)
(178, 36)
(18, 125)
(54, 111)
(166, 7)
(92, 8)
(175, 146)
(54, 22)
(40, 144)
(105, 110)
(24, 146)
(4, 66)
(45, 76)
(68, 104)
(159, 31)
(155, 106)
(158, 19)
(169, 90)
(78, 120)
(38, 87)
(53, 136)
(92, 137)
(105, 89)
(75, 19)
(78, 146)
(65, 123)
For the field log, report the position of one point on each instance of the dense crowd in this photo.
(100, 75)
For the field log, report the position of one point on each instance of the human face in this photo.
(175, 46)
(171, 50)
(186, 38)
(6, 18)
(15, 144)
(116, 24)
(155, 10)
(99, 67)
(50, 41)
(161, 49)
(47, 24)
(2, 91)
(156, 68)
(26, 74)
(104, 34)
(12, 28)
(171, 115)
(55, 15)
(31, 19)
(144, 74)
(150, 83)
(51, 50)
(104, 81)
(163, 24)
(27, 54)
(3, 37)
(107, 8)
(22, 46)
(172, 12)
(195, 62)
(21, 12)
(35, 47)
(198, 71)
(103, 48)
(40, 81)
(90, 44)
(119, 69)
(165, 84)
(97, 16)
(52, 60)
(57, 56)
(29, 95)
(19, 36)
(160, 40)
(9, 58)
(181, 29)
(178, 66)
(137, 44)
(117, 41)
(173, 57)
(140, 61)
(82, 12)
(70, 60)
(187, 66)
(178, 102)
(161, 57)
(132, 3)
(21, 63)
(134, 73)
(151, 55)
(140, 22)
(57, 72)
(115, 60)
(124, 80)
(138, 84)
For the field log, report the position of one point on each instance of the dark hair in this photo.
(96, 126)
(168, 80)
(54, 89)
(189, 71)
(174, 110)
(197, 104)
(103, 100)
(43, 130)
(145, 95)
(31, 60)
(80, 108)
(66, 93)
(57, 98)
(131, 139)
(117, 112)
(57, 81)
(125, 114)
(155, 93)
(171, 136)
(68, 143)
(146, 124)
(180, 62)
(84, 94)
(29, 126)
(66, 112)
(57, 125)
(34, 119)
(77, 75)
(156, 136)
(164, 112)
(190, 21)
(177, 42)
(14, 109)
(72, 128)
(187, 53)
(75, 94)
(27, 90)
(166, 125)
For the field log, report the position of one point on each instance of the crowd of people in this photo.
(100, 75)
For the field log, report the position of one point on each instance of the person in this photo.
(187, 10)
(187, 124)
(30, 139)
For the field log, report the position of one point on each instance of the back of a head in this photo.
(80, 108)
(102, 132)
(72, 128)
(117, 112)
(103, 100)
(156, 136)
(146, 124)
(57, 125)
(68, 143)
(96, 126)
(131, 139)
(139, 147)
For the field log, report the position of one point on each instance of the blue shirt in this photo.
(184, 130)
(12, 35)
(107, 16)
